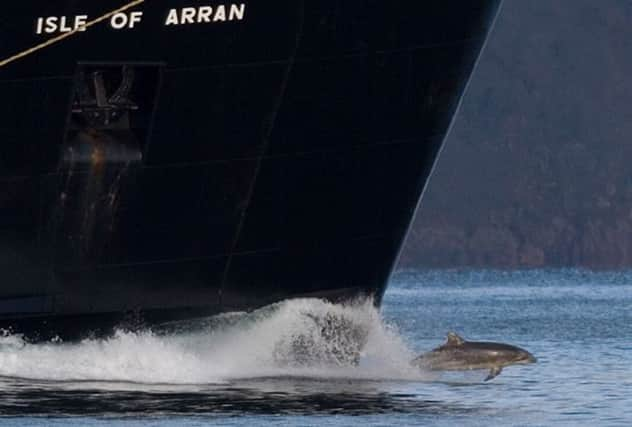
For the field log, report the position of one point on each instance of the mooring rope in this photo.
(62, 36)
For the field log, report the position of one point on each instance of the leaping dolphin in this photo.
(460, 355)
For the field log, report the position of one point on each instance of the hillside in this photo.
(538, 168)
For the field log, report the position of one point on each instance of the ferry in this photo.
(168, 159)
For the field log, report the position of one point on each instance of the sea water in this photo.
(237, 369)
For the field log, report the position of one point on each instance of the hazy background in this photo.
(537, 171)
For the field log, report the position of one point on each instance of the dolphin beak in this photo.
(531, 358)
(524, 357)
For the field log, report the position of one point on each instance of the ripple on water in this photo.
(578, 324)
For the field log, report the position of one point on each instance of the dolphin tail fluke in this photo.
(493, 373)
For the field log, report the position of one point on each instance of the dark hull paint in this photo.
(275, 157)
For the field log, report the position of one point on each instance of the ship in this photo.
(163, 160)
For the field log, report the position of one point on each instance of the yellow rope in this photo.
(68, 34)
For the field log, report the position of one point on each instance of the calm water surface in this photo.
(227, 371)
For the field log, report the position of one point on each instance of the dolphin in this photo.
(460, 355)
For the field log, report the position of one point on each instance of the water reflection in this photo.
(265, 396)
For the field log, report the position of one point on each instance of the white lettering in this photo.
(38, 27)
(119, 21)
(122, 20)
(172, 17)
(220, 13)
(237, 12)
(205, 13)
(60, 24)
(183, 16)
(80, 22)
(63, 27)
(51, 24)
(135, 18)
(188, 15)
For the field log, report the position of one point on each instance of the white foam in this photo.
(228, 348)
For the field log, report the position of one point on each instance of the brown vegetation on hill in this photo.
(537, 171)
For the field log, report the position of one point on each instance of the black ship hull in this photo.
(170, 161)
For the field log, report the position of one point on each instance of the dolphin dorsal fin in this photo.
(454, 339)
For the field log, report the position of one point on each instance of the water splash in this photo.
(303, 338)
